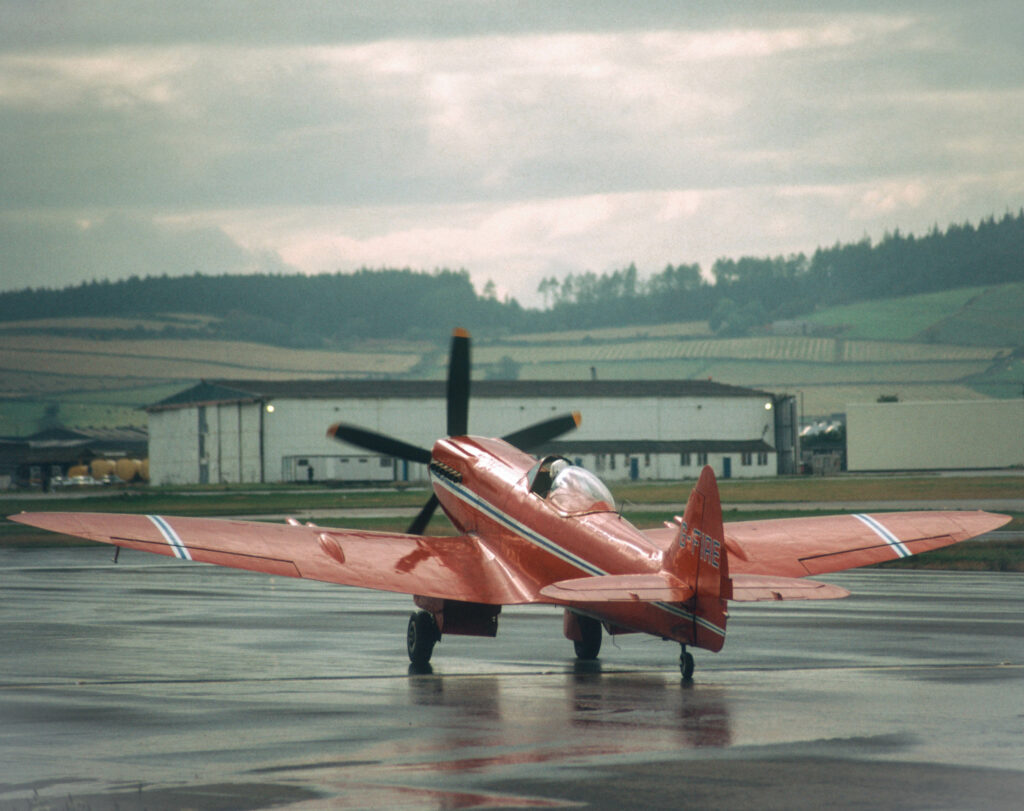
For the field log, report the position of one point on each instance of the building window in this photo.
(762, 459)
(647, 460)
(611, 461)
(702, 459)
(746, 459)
(684, 460)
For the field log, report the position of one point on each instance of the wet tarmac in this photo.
(160, 684)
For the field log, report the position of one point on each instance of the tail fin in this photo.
(699, 559)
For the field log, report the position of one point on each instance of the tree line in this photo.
(741, 294)
(748, 292)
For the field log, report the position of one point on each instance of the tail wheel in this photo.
(686, 665)
(589, 646)
(421, 637)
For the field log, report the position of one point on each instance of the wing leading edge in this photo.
(450, 568)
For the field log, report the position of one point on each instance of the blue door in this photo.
(634, 469)
(726, 467)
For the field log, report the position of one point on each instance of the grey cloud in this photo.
(269, 109)
(53, 252)
(280, 127)
(102, 23)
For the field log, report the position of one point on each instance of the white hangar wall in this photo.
(935, 435)
(234, 432)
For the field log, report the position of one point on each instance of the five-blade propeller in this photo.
(458, 425)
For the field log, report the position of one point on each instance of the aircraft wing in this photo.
(797, 547)
(453, 568)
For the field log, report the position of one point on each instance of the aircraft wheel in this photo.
(686, 665)
(590, 645)
(421, 637)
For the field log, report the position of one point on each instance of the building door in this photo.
(204, 460)
(634, 469)
(726, 467)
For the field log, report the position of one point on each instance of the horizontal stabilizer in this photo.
(752, 588)
(620, 588)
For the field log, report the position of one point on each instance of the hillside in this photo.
(95, 353)
(735, 296)
(927, 346)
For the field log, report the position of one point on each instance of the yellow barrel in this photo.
(127, 470)
(101, 468)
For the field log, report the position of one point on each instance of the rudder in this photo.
(699, 558)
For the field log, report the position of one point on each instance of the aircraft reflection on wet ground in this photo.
(143, 686)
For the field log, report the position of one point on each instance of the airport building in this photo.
(275, 431)
(937, 435)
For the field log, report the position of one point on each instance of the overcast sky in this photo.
(513, 139)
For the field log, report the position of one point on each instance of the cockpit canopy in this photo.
(569, 488)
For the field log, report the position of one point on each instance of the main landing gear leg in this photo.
(686, 663)
(421, 637)
(589, 646)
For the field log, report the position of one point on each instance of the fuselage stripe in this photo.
(174, 541)
(517, 527)
(527, 534)
(883, 533)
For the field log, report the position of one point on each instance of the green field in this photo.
(897, 319)
(992, 318)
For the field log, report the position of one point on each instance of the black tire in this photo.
(686, 665)
(589, 646)
(421, 637)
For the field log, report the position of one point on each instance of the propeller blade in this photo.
(420, 522)
(378, 443)
(458, 384)
(541, 432)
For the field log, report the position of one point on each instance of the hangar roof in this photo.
(567, 447)
(210, 392)
(69, 445)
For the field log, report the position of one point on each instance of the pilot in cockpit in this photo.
(568, 487)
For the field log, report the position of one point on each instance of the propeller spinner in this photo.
(458, 422)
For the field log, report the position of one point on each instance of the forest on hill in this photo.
(334, 309)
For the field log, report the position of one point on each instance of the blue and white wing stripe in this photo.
(177, 545)
(883, 533)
